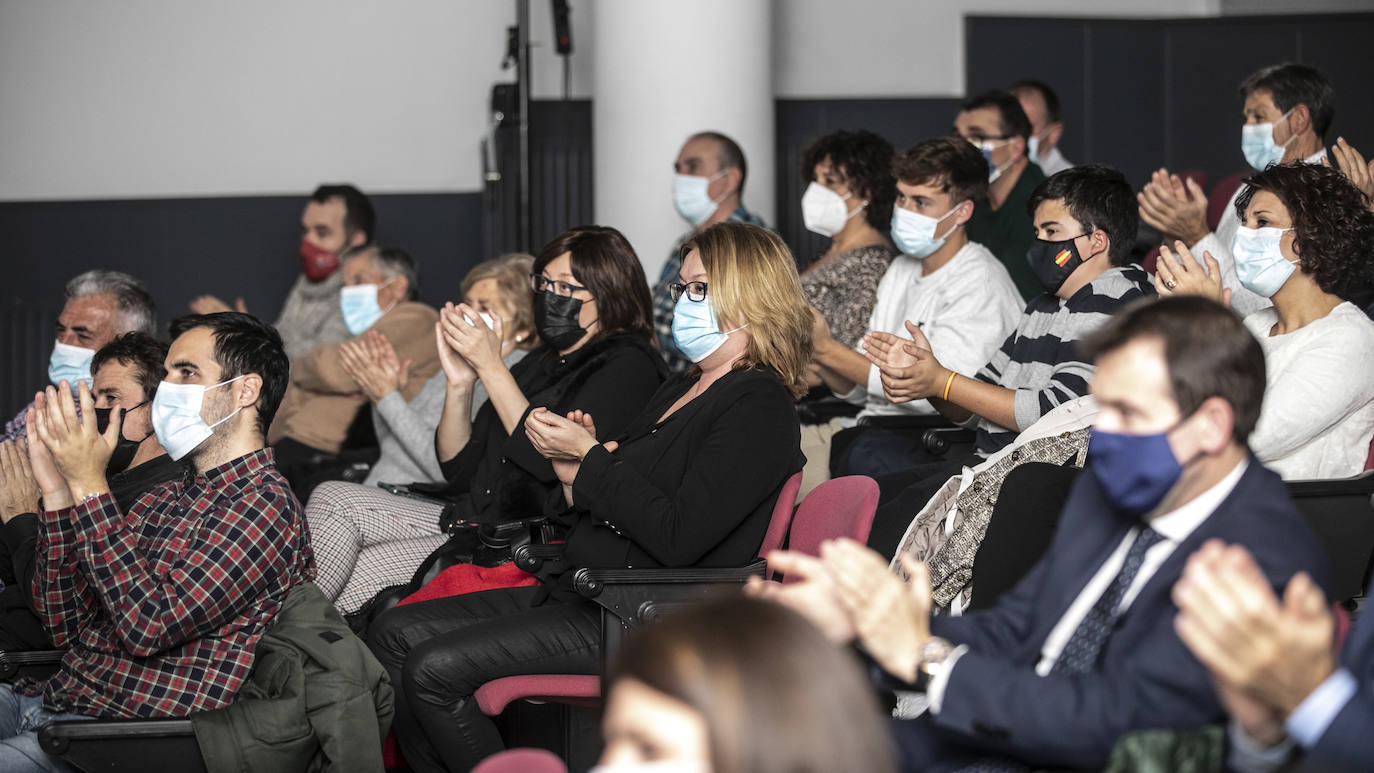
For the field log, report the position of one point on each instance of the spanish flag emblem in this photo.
(1062, 258)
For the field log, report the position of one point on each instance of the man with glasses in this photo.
(995, 124)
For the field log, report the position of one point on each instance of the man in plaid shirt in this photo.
(160, 608)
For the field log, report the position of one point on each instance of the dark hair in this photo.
(1097, 196)
(244, 344)
(1046, 93)
(391, 261)
(864, 160)
(731, 157)
(145, 355)
(948, 162)
(1333, 228)
(1290, 85)
(603, 260)
(358, 213)
(1207, 350)
(1013, 118)
(134, 306)
(776, 696)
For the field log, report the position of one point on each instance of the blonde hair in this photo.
(512, 274)
(752, 278)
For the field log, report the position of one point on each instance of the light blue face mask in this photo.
(359, 306)
(1257, 143)
(176, 416)
(691, 199)
(914, 233)
(1260, 265)
(695, 330)
(72, 363)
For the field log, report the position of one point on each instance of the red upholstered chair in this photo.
(842, 507)
(522, 761)
(1221, 196)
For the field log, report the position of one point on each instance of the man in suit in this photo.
(1276, 667)
(1083, 649)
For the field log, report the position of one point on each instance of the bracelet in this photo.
(949, 382)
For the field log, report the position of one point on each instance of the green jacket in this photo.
(317, 699)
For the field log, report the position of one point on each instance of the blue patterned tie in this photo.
(1085, 646)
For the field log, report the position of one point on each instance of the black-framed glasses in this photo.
(541, 283)
(696, 291)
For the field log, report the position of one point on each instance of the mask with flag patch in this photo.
(1053, 262)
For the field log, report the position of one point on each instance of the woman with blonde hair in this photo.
(690, 482)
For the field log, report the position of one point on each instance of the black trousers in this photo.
(439, 652)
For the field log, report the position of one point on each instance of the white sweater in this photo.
(1318, 414)
(967, 308)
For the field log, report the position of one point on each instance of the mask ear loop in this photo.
(236, 410)
(951, 211)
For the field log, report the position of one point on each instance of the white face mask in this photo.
(691, 199)
(70, 363)
(176, 416)
(823, 210)
(987, 147)
(1260, 265)
(1257, 143)
(358, 303)
(914, 233)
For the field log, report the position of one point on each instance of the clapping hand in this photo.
(79, 452)
(18, 489)
(563, 441)
(1183, 274)
(1353, 166)
(372, 362)
(908, 369)
(464, 331)
(891, 617)
(1173, 206)
(813, 595)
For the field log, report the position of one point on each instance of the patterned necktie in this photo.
(1085, 646)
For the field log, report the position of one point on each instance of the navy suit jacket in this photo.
(995, 702)
(1348, 741)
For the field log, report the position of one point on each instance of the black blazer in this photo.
(1146, 678)
(695, 490)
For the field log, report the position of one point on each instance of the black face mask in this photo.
(1052, 262)
(555, 317)
(124, 449)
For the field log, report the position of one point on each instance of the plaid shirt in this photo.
(160, 610)
(663, 299)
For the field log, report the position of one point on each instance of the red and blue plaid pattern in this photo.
(160, 610)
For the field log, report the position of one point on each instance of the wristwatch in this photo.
(930, 658)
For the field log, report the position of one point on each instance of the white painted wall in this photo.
(151, 98)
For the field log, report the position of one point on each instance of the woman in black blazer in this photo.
(691, 482)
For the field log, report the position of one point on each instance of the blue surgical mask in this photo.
(914, 233)
(1136, 472)
(1257, 143)
(690, 198)
(1260, 265)
(176, 416)
(695, 330)
(359, 306)
(987, 147)
(70, 363)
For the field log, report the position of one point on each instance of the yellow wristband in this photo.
(949, 382)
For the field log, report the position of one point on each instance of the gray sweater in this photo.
(405, 430)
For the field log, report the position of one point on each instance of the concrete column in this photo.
(660, 72)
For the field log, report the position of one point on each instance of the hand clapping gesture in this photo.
(372, 362)
(18, 489)
(563, 441)
(908, 369)
(1174, 207)
(465, 332)
(1183, 274)
(77, 450)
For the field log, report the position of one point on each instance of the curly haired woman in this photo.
(1306, 243)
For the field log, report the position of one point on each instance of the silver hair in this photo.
(391, 262)
(135, 310)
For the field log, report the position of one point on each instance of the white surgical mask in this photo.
(987, 146)
(176, 416)
(691, 199)
(70, 363)
(823, 210)
(1260, 265)
(914, 233)
(1257, 143)
(359, 306)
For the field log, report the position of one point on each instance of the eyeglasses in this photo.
(696, 291)
(541, 283)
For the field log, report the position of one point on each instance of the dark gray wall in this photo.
(1140, 94)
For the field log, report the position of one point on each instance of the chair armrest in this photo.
(56, 737)
(939, 439)
(640, 595)
(11, 662)
(1352, 486)
(532, 557)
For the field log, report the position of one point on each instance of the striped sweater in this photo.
(1040, 359)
